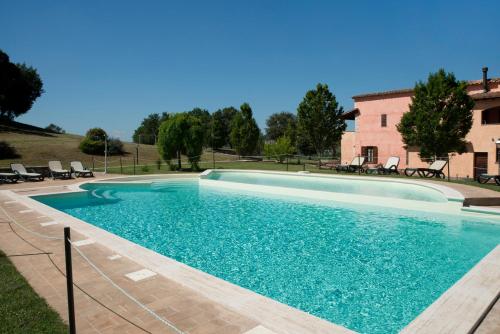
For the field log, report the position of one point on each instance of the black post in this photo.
(93, 164)
(69, 281)
(287, 163)
(134, 165)
(121, 166)
(137, 153)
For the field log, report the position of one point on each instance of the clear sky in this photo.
(111, 63)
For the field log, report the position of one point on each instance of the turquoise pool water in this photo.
(369, 269)
(339, 185)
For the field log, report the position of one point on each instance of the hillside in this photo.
(36, 146)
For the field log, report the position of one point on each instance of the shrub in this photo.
(7, 151)
(55, 128)
(115, 146)
(145, 168)
(90, 146)
(280, 149)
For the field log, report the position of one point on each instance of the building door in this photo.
(480, 163)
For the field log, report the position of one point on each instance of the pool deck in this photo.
(100, 308)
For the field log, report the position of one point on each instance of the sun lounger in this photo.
(485, 178)
(57, 171)
(391, 166)
(79, 170)
(356, 164)
(20, 170)
(434, 170)
(8, 177)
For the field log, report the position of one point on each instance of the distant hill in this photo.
(36, 146)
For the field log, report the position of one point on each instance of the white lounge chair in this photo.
(20, 170)
(79, 170)
(57, 171)
(434, 170)
(356, 164)
(391, 166)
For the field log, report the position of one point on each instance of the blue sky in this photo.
(111, 63)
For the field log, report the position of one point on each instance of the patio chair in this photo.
(485, 178)
(434, 170)
(79, 170)
(356, 164)
(57, 171)
(20, 170)
(391, 166)
(9, 178)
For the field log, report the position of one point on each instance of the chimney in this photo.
(485, 80)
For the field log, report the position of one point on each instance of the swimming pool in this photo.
(368, 268)
(344, 185)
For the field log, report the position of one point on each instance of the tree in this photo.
(244, 131)
(282, 124)
(147, 132)
(55, 128)
(280, 149)
(319, 119)
(221, 126)
(181, 134)
(204, 116)
(440, 116)
(20, 86)
(93, 142)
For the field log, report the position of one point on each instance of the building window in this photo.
(498, 154)
(491, 116)
(383, 120)
(370, 153)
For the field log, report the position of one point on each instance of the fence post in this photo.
(359, 164)
(121, 166)
(287, 163)
(93, 163)
(69, 281)
(134, 165)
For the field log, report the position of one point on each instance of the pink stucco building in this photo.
(376, 137)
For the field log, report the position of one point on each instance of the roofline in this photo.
(410, 90)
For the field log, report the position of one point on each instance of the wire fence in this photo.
(138, 164)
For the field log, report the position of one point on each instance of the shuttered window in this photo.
(370, 153)
(383, 120)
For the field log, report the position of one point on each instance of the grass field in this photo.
(36, 147)
(21, 309)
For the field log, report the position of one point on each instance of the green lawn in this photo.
(21, 309)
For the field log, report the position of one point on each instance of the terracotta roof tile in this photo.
(410, 90)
